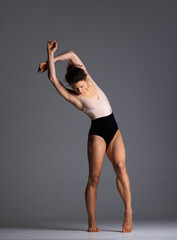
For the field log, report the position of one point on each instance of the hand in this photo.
(51, 46)
(43, 67)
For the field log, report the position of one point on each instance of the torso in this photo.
(95, 103)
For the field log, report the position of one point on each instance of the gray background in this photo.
(129, 49)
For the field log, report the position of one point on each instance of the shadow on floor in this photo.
(59, 227)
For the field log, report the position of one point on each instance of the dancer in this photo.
(104, 134)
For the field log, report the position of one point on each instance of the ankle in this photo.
(128, 211)
(91, 220)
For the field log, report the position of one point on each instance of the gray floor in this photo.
(109, 231)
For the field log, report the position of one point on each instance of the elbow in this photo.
(52, 79)
(72, 54)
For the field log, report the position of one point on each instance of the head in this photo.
(76, 78)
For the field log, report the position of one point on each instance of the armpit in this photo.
(71, 91)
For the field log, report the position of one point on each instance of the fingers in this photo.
(40, 69)
(49, 42)
(55, 43)
(43, 67)
(52, 43)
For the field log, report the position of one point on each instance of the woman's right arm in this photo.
(70, 97)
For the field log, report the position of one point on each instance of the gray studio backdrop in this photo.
(129, 48)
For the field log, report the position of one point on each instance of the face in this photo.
(79, 87)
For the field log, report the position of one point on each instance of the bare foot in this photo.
(92, 227)
(127, 224)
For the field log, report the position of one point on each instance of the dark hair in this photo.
(74, 74)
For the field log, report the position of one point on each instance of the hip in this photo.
(104, 123)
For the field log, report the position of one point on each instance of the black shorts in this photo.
(105, 127)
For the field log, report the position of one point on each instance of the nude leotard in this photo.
(96, 108)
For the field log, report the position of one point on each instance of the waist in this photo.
(106, 123)
(105, 118)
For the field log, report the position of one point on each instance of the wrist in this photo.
(51, 54)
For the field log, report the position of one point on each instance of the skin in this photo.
(96, 146)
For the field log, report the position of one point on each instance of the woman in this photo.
(104, 135)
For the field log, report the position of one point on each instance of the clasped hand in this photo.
(51, 48)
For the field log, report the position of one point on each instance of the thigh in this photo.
(116, 152)
(96, 149)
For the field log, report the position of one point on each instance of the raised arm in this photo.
(51, 67)
(61, 57)
(70, 97)
(68, 55)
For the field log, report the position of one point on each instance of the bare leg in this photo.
(90, 199)
(120, 189)
(123, 186)
(96, 152)
(116, 154)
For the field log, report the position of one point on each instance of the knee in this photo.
(93, 181)
(120, 168)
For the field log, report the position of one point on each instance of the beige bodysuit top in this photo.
(96, 108)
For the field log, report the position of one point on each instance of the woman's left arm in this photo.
(61, 57)
(70, 56)
(64, 56)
